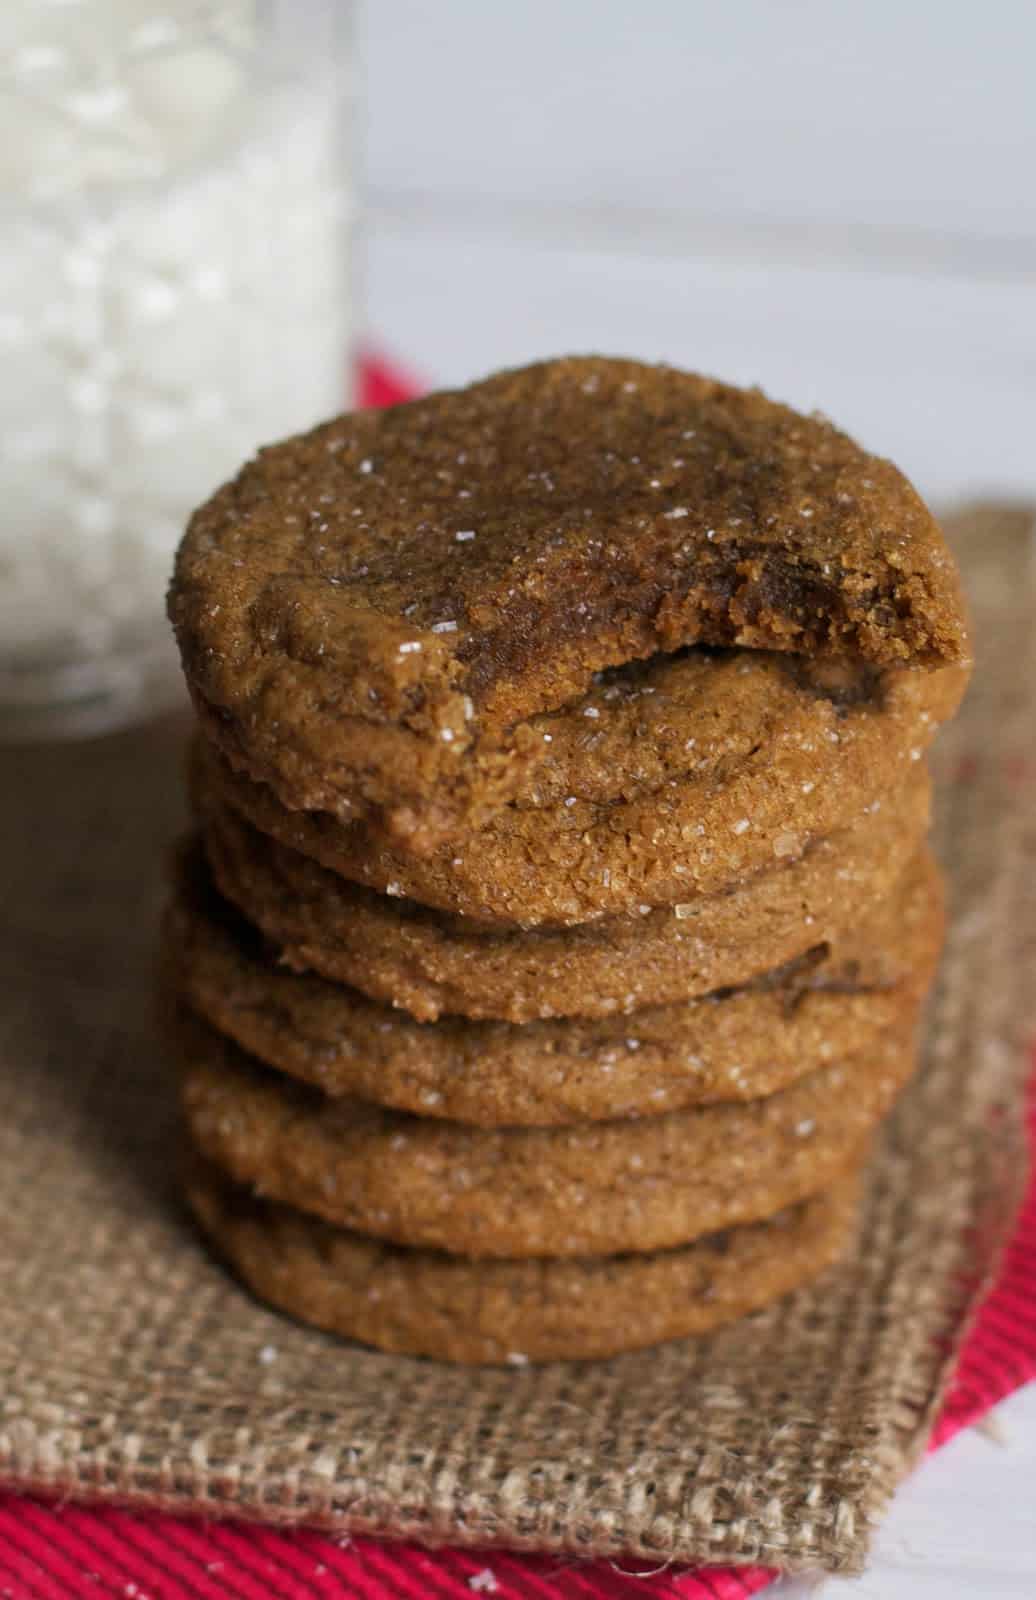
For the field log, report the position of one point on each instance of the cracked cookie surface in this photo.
(589, 1189)
(429, 962)
(673, 779)
(370, 613)
(831, 1003)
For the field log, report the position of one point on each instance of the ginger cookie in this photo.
(590, 1189)
(429, 962)
(670, 779)
(370, 613)
(425, 1303)
(830, 1004)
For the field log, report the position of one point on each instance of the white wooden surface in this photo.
(837, 202)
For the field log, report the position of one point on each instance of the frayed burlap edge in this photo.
(132, 1369)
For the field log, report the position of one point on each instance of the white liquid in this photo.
(172, 293)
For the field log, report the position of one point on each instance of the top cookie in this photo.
(370, 613)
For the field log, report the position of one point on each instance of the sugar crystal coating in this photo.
(572, 562)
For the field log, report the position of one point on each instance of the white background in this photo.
(837, 201)
(834, 200)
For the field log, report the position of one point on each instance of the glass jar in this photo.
(174, 186)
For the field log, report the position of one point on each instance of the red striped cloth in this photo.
(62, 1552)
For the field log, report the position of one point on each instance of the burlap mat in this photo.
(131, 1367)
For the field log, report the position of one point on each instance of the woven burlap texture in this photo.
(133, 1368)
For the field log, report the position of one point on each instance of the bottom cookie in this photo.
(425, 1303)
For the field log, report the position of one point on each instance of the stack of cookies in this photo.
(558, 916)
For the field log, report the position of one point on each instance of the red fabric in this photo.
(64, 1552)
(382, 383)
